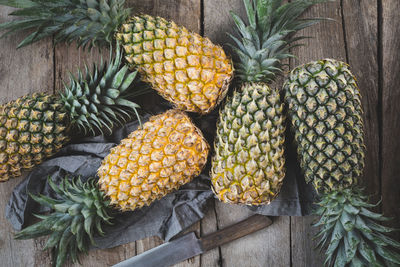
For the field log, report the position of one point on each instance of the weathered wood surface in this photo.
(390, 109)
(327, 42)
(364, 33)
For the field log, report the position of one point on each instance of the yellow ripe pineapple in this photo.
(184, 67)
(160, 156)
(163, 154)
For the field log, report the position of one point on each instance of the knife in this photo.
(189, 245)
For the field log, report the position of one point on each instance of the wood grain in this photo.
(327, 42)
(183, 12)
(391, 110)
(209, 225)
(275, 239)
(240, 229)
(359, 30)
(25, 71)
(218, 21)
(360, 20)
(178, 12)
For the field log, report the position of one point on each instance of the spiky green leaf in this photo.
(100, 101)
(88, 22)
(72, 224)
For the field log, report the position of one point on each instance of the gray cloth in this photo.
(164, 218)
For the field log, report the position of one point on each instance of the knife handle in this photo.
(233, 232)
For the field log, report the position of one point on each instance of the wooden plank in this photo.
(68, 58)
(183, 12)
(105, 257)
(267, 247)
(25, 71)
(327, 42)
(209, 225)
(218, 21)
(186, 13)
(270, 246)
(361, 30)
(391, 111)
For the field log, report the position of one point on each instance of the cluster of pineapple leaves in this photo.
(265, 42)
(352, 234)
(102, 99)
(88, 22)
(78, 214)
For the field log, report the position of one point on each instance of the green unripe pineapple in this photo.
(35, 127)
(324, 106)
(250, 157)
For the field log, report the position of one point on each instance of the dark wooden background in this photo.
(365, 33)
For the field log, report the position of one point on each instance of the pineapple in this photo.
(185, 68)
(35, 127)
(32, 128)
(160, 156)
(163, 154)
(324, 106)
(248, 165)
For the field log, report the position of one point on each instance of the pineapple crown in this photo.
(351, 233)
(88, 22)
(261, 45)
(78, 214)
(100, 100)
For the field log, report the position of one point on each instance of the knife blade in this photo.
(188, 246)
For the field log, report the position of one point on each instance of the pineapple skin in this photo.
(324, 105)
(248, 165)
(161, 155)
(185, 68)
(32, 128)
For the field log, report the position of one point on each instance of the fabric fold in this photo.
(164, 218)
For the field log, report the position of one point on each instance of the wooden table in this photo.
(365, 34)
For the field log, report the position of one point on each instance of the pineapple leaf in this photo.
(350, 233)
(373, 215)
(74, 221)
(388, 255)
(94, 100)
(53, 240)
(268, 35)
(88, 22)
(367, 252)
(17, 3)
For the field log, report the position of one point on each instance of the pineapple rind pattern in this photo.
(166, 152)
(32, 128)
(185, 68)
(248, 165)
(324, 105)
